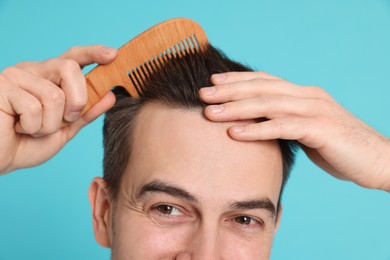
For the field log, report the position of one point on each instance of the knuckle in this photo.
(49, 128)
(54, 95)
(31, 128)
(3, 78)
(317, 89)
(229, 87)
(322, 105)
(69, 66)
(234, 75)
(258, 81)
(78, 103)
(231, 74)
(266, 75)
(12, 92)
(24, 64)
(261, 74)
(10, 71)
(234, 91)
(226, 89)
(35, 108)
(73, 50)
(320, 91)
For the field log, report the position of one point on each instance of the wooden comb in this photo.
(144, 54)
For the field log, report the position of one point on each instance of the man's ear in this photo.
(278, 218)
(101, 211)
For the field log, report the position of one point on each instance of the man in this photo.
(189, 185)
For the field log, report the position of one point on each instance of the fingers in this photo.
(66, 73)
(246, 89)
(273, 129)
(294, 112)
(291, 128)
(98, 109)
(85, 55)
(265, 106)
(229, 77)
(40, 104)
(27, 107)
(257, 87)
(34, 99)
(42, 101)
(237, 85)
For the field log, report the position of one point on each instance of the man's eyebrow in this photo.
(158, 186)
(264, 203)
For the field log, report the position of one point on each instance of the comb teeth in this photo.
(142, 72)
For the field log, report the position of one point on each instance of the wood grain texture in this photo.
(142, 55)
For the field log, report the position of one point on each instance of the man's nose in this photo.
(204, 244)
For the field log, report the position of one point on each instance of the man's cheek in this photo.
(145, 239)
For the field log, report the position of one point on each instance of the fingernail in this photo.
(216, 109)
(237, 129)
(218, 77)
(209, 90)
(109, 50)
(73, 116)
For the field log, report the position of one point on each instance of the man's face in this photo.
(192, 192)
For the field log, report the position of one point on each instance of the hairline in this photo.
(187, 72)
(141, 105)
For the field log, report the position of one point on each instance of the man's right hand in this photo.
(35, 97)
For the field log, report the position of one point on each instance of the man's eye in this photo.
(245, 220)
(168, 210)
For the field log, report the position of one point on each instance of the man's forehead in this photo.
(156, 120)
(189, 120)
(180, 145)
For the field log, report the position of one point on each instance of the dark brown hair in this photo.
(175, 84)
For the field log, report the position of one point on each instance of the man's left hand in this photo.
(332, 137)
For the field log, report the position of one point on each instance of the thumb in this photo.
(85, 55)
(98, 109)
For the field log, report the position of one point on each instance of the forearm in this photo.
(386, 167)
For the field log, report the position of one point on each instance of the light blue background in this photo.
(343, 46)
